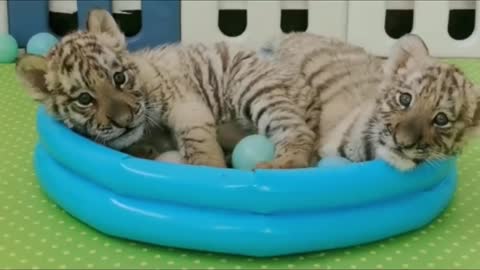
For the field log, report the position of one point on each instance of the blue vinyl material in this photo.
(84, 8)
(262, 213)
(27, 18)
(160, 24)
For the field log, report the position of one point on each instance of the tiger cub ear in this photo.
(101, 22)
(31, 72)
(409, 53)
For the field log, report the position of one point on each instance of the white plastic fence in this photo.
(70, 6)
(200, 19)
(62, 6)
(359, 22)
(366, 21)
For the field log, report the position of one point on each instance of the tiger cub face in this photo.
(426, 108)
(89, 82)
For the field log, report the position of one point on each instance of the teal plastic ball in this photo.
(8, 48)
(41, 43)
(252, 150)
(333, 162)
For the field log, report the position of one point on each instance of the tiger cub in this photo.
(405, 109)
(95, 86)
(158, 143)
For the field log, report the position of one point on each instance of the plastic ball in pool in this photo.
(41, 43)
(8, 48)
(252, 150)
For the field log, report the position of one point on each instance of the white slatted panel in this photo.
(118, 6)
(433, 29)
(431, 23)
(328, 18)
(3, 16)
(232, 4)
(294, 4)
(200, 19)
(462, 4)
(366, 22)
(366, 26)
(263, 22)
(63, 6)
(358, 22)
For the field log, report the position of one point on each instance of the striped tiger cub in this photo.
(95, 86)
(405, 109)
(158, 143)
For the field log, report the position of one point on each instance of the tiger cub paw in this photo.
(400, 163)
(284, 163)
(403, 165)
(209, 162)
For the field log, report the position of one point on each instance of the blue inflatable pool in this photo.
(262, 213)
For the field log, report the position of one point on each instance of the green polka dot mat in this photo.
(35, 233)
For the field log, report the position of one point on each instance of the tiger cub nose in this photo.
(407, 136)
(120, 115)
(122, 120)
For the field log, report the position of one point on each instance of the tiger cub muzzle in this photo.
(117, 113)
(410, 134)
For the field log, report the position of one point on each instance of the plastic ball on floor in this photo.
(252, 150)
(333, 162)
(41, 43)
(8, 48)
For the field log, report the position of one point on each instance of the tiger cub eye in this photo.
(85, 99)
(405, 99)
(119, 78)
(441, 119)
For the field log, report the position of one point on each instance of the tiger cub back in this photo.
(405, 109)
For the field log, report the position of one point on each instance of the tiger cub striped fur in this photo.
(157, 141)
(405, 109)
(95, 86)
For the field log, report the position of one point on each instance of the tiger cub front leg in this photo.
(279, 119)
(195, 132)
